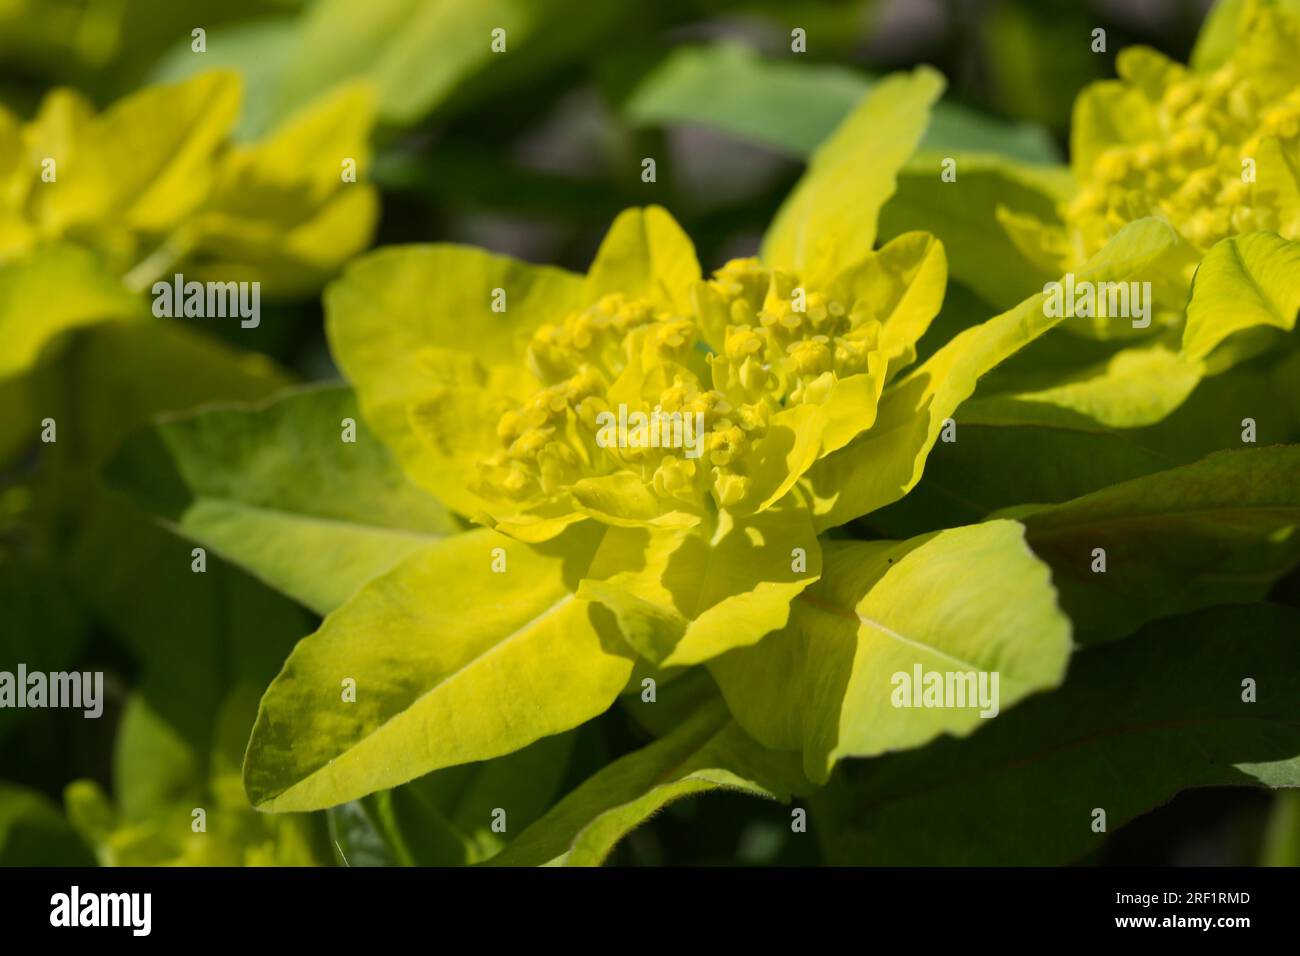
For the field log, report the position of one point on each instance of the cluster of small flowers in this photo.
(778, 347)
(1196, 170)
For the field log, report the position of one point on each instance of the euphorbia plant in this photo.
(600, 567)
(604, 571)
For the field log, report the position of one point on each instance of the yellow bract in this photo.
(153, 183)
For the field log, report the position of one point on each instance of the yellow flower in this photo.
(154, 184)
(1200, 150)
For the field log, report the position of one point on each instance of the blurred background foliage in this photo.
(529, 154)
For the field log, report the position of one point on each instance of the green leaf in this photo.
(114, 377)
(1242, 282)
(34, 833)
(422, 55)
(155, 768)
(883, 464)
(138, 578)
(1216, 532)
(967, 600)
(793, 107)
(681, 597)
(258, 50)
(453, 662)
(358, 836)
(956, 129)
(970, 478)
(706, 752)
(1136, 722)
(961, 214)
(687, 691)
(729, 87)
(1136, 386)
(829, 220)
(275, 488)
(134, 575)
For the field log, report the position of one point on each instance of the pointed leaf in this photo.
(275, 488)
(829, 220)
(883, 464)
(452, 663)
(1243, 282)
(970, 600)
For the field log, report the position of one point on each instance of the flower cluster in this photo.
(757, 343)
(1206, 132)
(156, 181)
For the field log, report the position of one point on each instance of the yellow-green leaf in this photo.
(1243, 282)
(829, 220)
(967, 601)
(904, 283)
(452, 662)
(57, 287)
(1134, 387)
(278, 489)
(884, 463)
